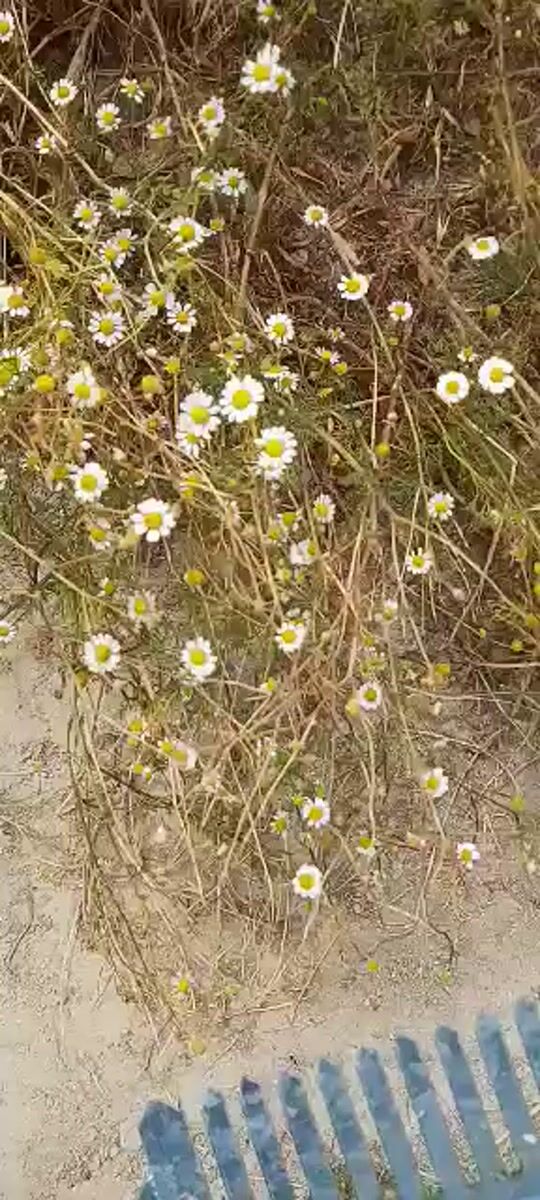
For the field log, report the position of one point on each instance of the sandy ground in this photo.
(77, 1063)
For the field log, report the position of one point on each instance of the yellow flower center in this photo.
(496, 375)
(241, 398)
(62, 91)
(440, 506)
(124, 244)
(261, 72)
(120, 202)
(159, 129)
(157, 298)
(365, 843)
(88, 483)
(482, 244)
(197, 657)
(199, 415)
(209, 112)
(110, 253)
(107, 287)
(370, 695)
(181, 317)
(140, 606)
(320, 509)
(316, 214)
(399, 310)
(352, 286)
(106, 325)
(153, 520)
(5, 27)
(82, 391)
(315, 814)
(452, 387)
(4, 631)
(102, 653)
(274, 448)
(305, 881)
(288, 636)
(179, 755)
(16, 301)
(186, 232)
(417, 560)
(97, 534)
(431, 784)
(108, 117)
(279, 328)
(466, 856)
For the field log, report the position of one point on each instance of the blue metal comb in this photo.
(175, 1173)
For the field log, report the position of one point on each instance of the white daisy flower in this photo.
(232, 182)
(181, 753)
(452, 387)
(46, 143)
(283, 379)
(187, 234)
(159, 128)
(83, 388)
(101, 653)
(108, 288)
(212, 115)
(290, 636)
(277, 448)
(366, 846)
(284, 80)
(63, 92)
(86, 214)
(267, 12)
(259, 74)
(400, 310)
(116, 249)
(120, 202)
(354, 286)
(434, 782)
(388, 611)
(279, 328)
(467, 854)
(199, 413)
(198, 658)
(108, 117)
(155, 299)
(13, 363)
(483, 247)
(307, 882)
(326, 356)
(7, 631)
(467, 354)
(302, 554)
(289, 522)
(107, 328)
(189, 442)
(316, 813)
(440, 506)
(418, 562)
(240, 398)
(153, 519)
(7, 26)
(315, 214)
(100, 535)
(181, 317)
(141, 608)
(205, 178)
(323, 509)
(132, 89)
(12, 301)
(89, 482)
(369, 696)
(496, 375)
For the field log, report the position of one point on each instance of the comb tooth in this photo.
(231, 1165)
(430, 1119)
(306, 1139)
(264, 1141)
(529, 1029)
(389, 1124)
(348, 1132)
(174, 1166)
(469, 1104)
(507, 1089)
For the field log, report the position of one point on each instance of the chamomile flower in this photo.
(400, 310)
(63, 92)
(283, 379)
(155, 299)
(83, 388)
(388, 611)
(316, 813)
(7, 631)
(101, 653)
(46, 143)
(434, 782)
(467, 854)
(366, 846)
(107, 328)
(279, 328)
(100, 535)
(180, 753)
(12, 301)
(290, 636)
(212, 115)
(153, 519)
(323, 509)
(353, 286)
(369, 695)
(280, 821)
(132, 89)
(187, 234)
(496, 375)
(284, 80)
(86, 214)
(189, 442)
(452, 387)
(483, 247)
(267, 12)
(141, 608)
(120, 202)
(302, 554)
(205, 179)
(199, 413)
(232, 182)
(277, 448)
(198, 658)
(181, 317)
(108, 288)
(259, 74)
(116, 249)
(7, 26)
(307, 882)
(89, 482)
(326, 356)
(467, 354)
(440, 506)
(316, 215)
(108, 117)
(240, 398)
(159, 128)
(418, 562)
